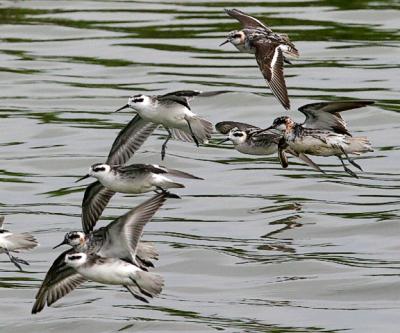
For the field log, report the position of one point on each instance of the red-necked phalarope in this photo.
(173, 111)
(10, 242)
(252, 140)
(77, 267)
(133, 179)
(324, 132)
(269, 49)
(120, 240)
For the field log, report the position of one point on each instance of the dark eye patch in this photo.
(237, 35)
(74, 236)
(75, 257)
(237, 134)
(138, 100)
(99, 169)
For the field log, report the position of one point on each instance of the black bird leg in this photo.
(351, 160)
(167, 193)
(351, 173)
(164, 146)
(16, 261)
(191, 132)
(282, 145)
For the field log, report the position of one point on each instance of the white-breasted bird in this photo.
(132, 179)
(119, 240)
(172, 111)
(13, 242)
(253, 140)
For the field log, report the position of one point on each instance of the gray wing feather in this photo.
(264, 137)
(326, 115)
(129, 227)
(129, 140)
(269, 57)
(58, 282)
(224, 127)
(246, 20)
(95, 199)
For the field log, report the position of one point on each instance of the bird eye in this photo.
(237, 134)
(74, 236)
(99, 169)
(237, 36)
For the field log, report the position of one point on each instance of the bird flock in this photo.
(114, 254)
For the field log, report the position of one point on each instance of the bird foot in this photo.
(350, 172)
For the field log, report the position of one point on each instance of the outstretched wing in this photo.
(127, 229)
(326, 115)
(129, 140)
(58, 282)
(95, 199)
(224, 127)
(269, 57)
(246, 20)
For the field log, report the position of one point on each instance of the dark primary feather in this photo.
(129, 140)
(181, 93)
(95, 199)
(136, 169)
(264, 137)
(58, 282)
(326, 115)
(246, 20)
(265, 53)
(224, 127)
(1, 221)
(129, 227)
(171, 97)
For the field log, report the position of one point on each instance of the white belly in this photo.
(140, 184)
(117, 272)
(173, 117)
(5, 242)
(312, 146)
(253, 150)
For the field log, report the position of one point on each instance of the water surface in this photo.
(253, 247)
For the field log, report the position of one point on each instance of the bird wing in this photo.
(94, 201)
(129, 140)
(181, 97)
(2, 218)
(326, 115)
(136, 169)
(58, 282)
(224, 127)
(127, 229)
(264, 137)
(246, 20)
(269, 57)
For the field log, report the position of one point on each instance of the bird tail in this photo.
(147, 252)
(149, 283)
(200, 128)
(22, 241)
(181, 174)
(288, 47)
(358, 145)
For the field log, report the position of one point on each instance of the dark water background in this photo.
(253, 248)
